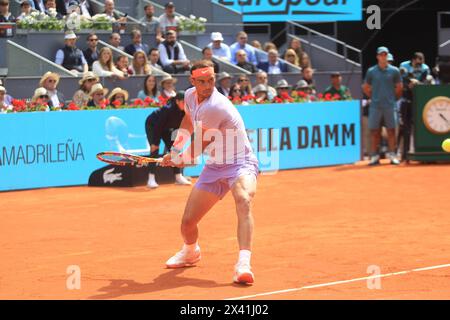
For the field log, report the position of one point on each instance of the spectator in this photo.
(304, 91)
(283, 89)
(118, 97)
(122, 63)
(5, 106)
(241, 61)
(263, 78)
(308, 76)
(150, 89)
(137, 45)
(384, 86)
(50, 82)
(208, 55)
(261, 93)
(291, 57)
(245, 85)
(70, 57)
(417, 67)
(8, 98)
(104, 66)
(224, 80)
(167, 88)
(153, 59)
(50, 9)
(390, 59)
(305, 61)
(25, 9)
(114, 40)
(140, 65)
(241, 44)
(5, 15)
(274, 65)
(91, 53)
(168, 21)
(41, 98)
(81, 96)
(173, 58)
(269, 46)
(219, 48)
(296, 45)
(236, 93)
(337, 88)
(98, 96)
(256, 44)
(109, 11)
(151, 22)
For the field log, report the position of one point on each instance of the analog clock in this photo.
(436, 115)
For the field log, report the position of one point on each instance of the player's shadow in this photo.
(169, 280)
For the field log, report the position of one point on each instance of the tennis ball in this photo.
(446, 145)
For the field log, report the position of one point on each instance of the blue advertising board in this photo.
(59, 148)
(296, 10)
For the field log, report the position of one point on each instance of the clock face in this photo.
(436, 115)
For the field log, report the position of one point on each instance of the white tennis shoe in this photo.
(184, 258)
(181, 180)
(243, 274)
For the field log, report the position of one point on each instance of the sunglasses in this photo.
(93, 39)
(237, 90)
(51, 80)
(243, 80)
(43, 97)
(91, 80)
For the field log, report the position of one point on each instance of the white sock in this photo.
(151, 177)
(190, 247)
(245, 256)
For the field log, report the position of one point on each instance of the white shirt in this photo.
(274, 68)
(97, 68)
(165, 24)
(165, 58)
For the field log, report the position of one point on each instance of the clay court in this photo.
(317, 231)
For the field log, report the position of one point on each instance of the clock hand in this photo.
(445, 119)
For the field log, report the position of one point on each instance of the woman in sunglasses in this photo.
(41, 98)
(245, 85)
(82, 97)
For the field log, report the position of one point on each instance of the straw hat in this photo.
(87, 76)
(168, 78)
(39, 92)
(260, 88)
(98, 87)
(223, 75)
(117, 91)
(48, 75)
(302, 84)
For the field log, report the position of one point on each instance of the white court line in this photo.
(329, 284)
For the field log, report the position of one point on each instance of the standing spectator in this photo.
(104, 66)
(114, 40)
(241, 44)
(122, 63)
(81, 96)
(25, 9)
(98, 96)
(140, 65)
(167, 88)
(150, 89)
(337, 88)
(5, 15)
(219, 48)
(291, 57)
(137, 45)
(241, 61)
(91, 53)
(296, 45)
(5, 106)
(246, 85)
(308, 76)
(50, 82)
(305, 61)
(208, 55)
(151, 22)
(263, 78)
(168, 21)
(417, 67)
(118, 97)
(70, 57)
(173, 58)
(384, 86)
(153, 59)
(261, 93)
(274, 65)
(224, 80)
(50, 9)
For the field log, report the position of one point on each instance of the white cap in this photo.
(70, 35)
(2, 89)
(216, 36)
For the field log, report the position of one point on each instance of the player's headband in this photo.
(207, 71)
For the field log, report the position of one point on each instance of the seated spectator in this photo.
(123, 64)
(337, 88)
(118, 97)
(241, 44)
(308, 76)
(270, 46)
(151, 22)
(153, 59)
(220, 49)
(5, 14)
(168, 20)
(236, 94)
(137, 45)
(140, 65)
(70, 57)
(208, 55)
(224, 80)
(50, 81)
(283, 89)
(241, 61)
(109, 11)
(98, 96)
(304, 91)
(417, 67)
(25, 9)
(91, 53)
(150, 89)
(263, 78)
(305, 61)
(245, 85)
(5, 106)
(114, 40)
(82, 96)
(173, 58)
(296, 45)
(50, 9)
(167, 88)
(274, 65)
(257, 45)
(291, 57)
(8, 98)
(261, 93)
(41, 98)
(104, 66)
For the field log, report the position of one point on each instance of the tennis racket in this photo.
(126, 159)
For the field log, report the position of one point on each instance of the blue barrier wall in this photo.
(58, 148)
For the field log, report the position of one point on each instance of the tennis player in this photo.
(231, 166)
